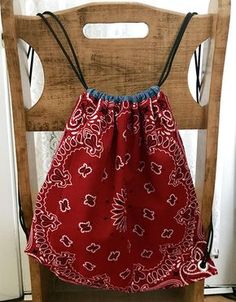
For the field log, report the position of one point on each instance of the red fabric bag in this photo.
(118, 208)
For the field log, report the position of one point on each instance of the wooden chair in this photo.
(119, 66)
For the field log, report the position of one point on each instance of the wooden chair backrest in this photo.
(119, 67)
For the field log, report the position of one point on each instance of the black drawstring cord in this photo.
(21, 217)
(31, 66)
(174, 49)
(197, 60)
(70, 44)
(197, 56)
(76, 68)
(207, 254)
(30, 50)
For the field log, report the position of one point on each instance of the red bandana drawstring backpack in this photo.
(118, 208)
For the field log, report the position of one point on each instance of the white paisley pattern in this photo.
(119, 211)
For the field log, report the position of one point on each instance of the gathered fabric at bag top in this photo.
(118, 207)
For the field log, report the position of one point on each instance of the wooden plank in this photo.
(194, 292)
(174, 295)
(10, 41)
(9, 37)
(221, 12)
(207, 140)
(112, 65)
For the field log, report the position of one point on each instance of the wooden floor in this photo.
(214, 299)
(217, 299)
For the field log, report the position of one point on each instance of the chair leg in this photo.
(35, 281)
(194, 292)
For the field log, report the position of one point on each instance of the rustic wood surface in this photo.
(214, 74)
(112, 65)
(118, 67)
